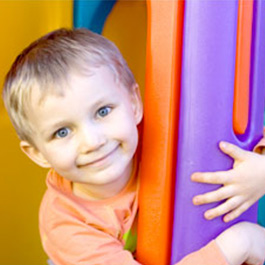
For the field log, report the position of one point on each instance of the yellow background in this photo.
(22, 184)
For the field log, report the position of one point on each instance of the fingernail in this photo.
(227, 219)
(196, 200)
(208, 215)
(223, 144)
(194, 176)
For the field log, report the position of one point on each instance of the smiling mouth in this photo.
(101, 159)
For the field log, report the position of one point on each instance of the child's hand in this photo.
(242, 186)
(243, 243)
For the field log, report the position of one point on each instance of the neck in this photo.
(100, 192)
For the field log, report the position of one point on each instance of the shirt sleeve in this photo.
(67, 240)
(74, 244)
(208, 255)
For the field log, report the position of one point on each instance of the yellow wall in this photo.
(126, 26)
(21, 182)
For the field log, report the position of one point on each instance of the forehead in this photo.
(93, 85)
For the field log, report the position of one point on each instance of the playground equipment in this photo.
(204, 83)
(213, 58)
(222, 49)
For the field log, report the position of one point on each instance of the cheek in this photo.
(134, 142)
(62, 158)
(129, 135)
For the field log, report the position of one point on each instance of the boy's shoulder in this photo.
(59, 203)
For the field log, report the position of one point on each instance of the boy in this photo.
(76, 107)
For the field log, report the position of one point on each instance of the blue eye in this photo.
(104, 111)
(61, 133)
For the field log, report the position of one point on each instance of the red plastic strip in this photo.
(242, 72)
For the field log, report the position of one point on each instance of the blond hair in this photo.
(46, 63)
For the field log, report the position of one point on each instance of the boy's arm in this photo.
(73, 245)
(241, 187)
(241, 243)
(208, 255)
(69, 240)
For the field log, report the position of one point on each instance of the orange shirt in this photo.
(75, 231)
(78, 232)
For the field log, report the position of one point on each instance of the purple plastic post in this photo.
(210, 30)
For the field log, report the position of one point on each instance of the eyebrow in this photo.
(54, 127)
(104, 101)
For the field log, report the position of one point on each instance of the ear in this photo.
(137, 103)
(34, 154)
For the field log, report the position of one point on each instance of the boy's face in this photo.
(88, 135)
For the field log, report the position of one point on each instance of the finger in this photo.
(233, 151)
(222, 209)
(219, 177)
(237, 212)
(213, 196)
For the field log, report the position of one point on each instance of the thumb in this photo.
(233, 151)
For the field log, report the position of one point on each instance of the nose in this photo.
(91, 138)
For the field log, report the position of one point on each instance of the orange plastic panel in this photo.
(242, 73)
(157, 168)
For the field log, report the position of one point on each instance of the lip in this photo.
(102, 159)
